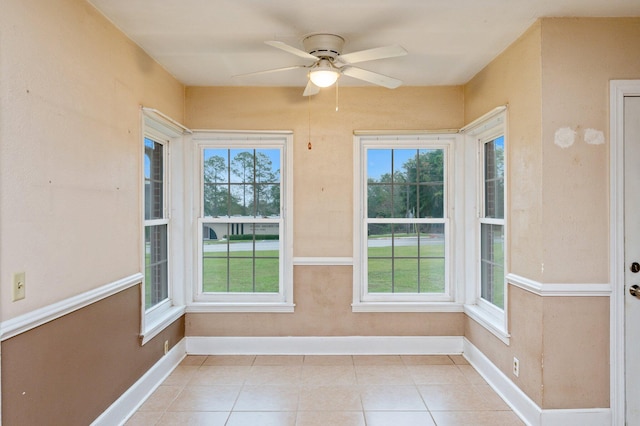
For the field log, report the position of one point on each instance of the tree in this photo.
(267, 187)
(416, 191)
(242, 166)
(216, 197)
(425, 184)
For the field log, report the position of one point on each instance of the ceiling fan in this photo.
(325, 50)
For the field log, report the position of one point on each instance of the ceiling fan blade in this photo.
(371, 77)
(311, 89)
(269, 71)
(373, 54)
(283, 46)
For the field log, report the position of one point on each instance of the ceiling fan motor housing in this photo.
(323, 45)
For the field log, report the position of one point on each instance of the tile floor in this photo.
(314, 390)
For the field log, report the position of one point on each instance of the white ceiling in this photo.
(206, 42)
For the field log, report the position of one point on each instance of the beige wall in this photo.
(580, 57)
(71, 86)
(558, 221)
(70, 157)
(323, 196)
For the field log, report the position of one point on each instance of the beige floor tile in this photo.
(332, 418)
(476, 418)
(426, 360)
(379, 374)
(436, 374)
(330, 398)
(264, 418)
(194, 418)
(494, 402)
(161, 398)
(221, 375)
(398, 418)
(315, 375)
(377, 360)
(193, 360)
(274, 375)
(206, 398)
(453, 398)
(471, 375)
(144, 418)
(267, 398)
(279, 360)
(181, 375)
(336, 390)
(328, 360)
(391, 398)
(459, 360)
(237, 360)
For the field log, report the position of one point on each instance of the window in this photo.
(244, 252)
(402, 221)
(156, 223)
(486, 144)
(162, 295)
(491, 222)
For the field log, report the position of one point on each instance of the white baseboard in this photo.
(576, 417)
(125, 406)
(331, 345)
(526, 408)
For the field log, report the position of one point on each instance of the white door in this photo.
(632, 257)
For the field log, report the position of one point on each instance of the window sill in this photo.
(407, 307)
(494, 324)
(152, 329)
(240, 307)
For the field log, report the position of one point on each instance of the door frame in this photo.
(618, 90)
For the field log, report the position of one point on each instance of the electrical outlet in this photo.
(516, 367)
(166, 346)
(19, 286)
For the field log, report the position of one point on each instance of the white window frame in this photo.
(485, 129)
(165, 131)
(363, 301)
(245, 302)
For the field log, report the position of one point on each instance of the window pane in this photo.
(432, 275)
(242, 165)
(216, 199)
(215, 274)
(267, 197)
(267, 166)
(380, 275)
(494, 178)
(405, 275)
(241, 257)
(492, 264)
(379, 165)
(216, 166)
(380, 200)
(156, 265)
(153, 180)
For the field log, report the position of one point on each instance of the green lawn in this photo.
(410, 274)
(406, 273)
(216, 268)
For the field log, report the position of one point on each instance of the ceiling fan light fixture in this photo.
(324, 75)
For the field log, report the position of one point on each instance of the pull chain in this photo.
(337, 94)
(309, 110)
